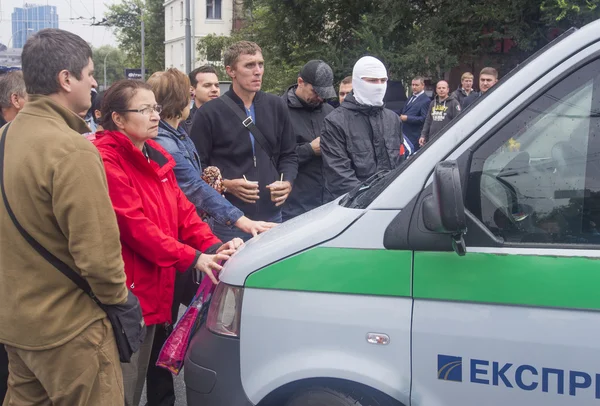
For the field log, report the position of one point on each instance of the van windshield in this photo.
(362, 195)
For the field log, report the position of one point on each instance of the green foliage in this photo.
(115, 62)
(125, 17)
(424, 37)
(211, 48)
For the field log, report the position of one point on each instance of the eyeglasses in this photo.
(146, 110)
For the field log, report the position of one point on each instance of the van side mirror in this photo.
(444, 210)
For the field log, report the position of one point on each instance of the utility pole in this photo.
(188, 38)
(106, 56)
(143, 50)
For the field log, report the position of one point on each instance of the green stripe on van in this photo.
(339, 270)
(547, 281)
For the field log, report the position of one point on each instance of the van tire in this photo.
(322, 396)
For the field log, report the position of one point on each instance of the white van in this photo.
(468, 276)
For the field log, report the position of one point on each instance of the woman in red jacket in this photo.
(161, 232)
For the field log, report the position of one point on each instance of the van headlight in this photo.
(225, 310)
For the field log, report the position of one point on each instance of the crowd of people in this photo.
(140, 188)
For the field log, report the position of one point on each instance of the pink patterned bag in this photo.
(172, 354)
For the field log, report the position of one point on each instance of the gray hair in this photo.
(11, 83)
(47, 53)
(420, 79)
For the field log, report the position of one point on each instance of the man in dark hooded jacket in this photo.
(305, 102)
(442, 110)
(488, 77)
(361, 137)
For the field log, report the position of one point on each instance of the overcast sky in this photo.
(73, 15)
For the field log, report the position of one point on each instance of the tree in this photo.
(412, 37)
(125, 17)
(115, 62)
(210, 48)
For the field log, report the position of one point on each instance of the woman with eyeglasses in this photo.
(172, 91)
(161, 233)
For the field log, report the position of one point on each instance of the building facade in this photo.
(10, 58)
(30, 19)
(208, 17)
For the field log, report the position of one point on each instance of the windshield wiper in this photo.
(364, 186)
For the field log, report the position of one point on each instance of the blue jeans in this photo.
(228, 233)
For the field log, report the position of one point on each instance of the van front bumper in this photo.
(212, 371)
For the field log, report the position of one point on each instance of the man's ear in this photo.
(64, 80)
(300, 82)
(230, 71)
(14, 100)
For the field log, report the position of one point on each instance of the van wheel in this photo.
(321, 396)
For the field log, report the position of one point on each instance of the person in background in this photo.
(89, 114)
(345, 88)
(161, 233)
(306, 103)
(465, 89)
(361, 137)
(488, 77)
(442, 110)
(205, 86)
(414, 112)
(60, 344)
(12, 100)
(12, 94)
(96, 115)
(256, 181)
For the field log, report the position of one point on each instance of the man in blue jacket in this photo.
(415, 112)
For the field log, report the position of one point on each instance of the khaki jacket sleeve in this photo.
(86, 217)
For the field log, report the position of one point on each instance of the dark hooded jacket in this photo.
(222, 141)
(440, 114)
(358, 141)
(472, 98)
(307, 123)
(460, 95)
(187, 123)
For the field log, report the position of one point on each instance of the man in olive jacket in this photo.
(60, 345)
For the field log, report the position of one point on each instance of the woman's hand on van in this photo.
(422, 141)
(231, 246)
(253, 227)
(207, 263)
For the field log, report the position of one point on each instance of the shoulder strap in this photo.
(249, 124)
(48, 256)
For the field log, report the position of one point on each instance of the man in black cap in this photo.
(306, 104)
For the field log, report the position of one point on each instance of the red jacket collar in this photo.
(122, 145)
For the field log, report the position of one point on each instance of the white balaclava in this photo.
(366, 93)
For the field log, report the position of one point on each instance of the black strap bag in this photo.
(126, 319)
(247, 122)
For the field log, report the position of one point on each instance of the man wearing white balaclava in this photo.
(369, 81)
(361, 137)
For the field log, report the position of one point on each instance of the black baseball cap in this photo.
(320, 76)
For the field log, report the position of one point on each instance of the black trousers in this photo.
(3, 373)
(160, 388)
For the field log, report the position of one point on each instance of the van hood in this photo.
(287, 239)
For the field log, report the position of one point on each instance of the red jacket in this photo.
(160, 229)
